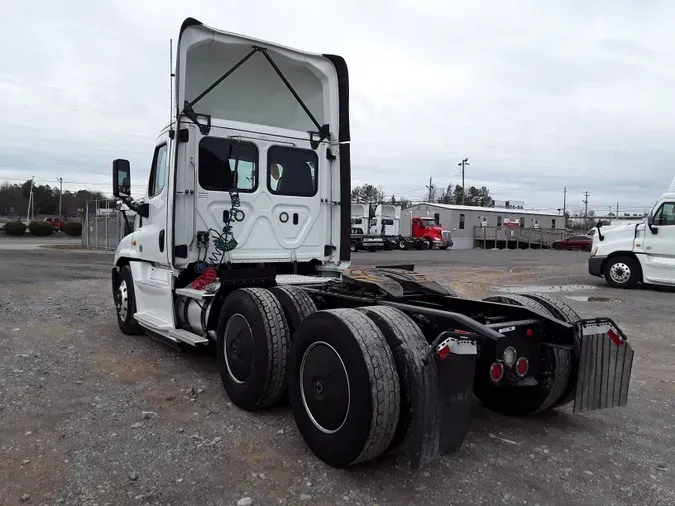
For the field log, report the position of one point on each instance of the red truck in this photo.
(425, 232)
(57, 223)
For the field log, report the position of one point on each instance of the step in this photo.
(187, 337)
(193, 294)
(152, 322)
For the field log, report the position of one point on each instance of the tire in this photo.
(554, 371)
(419, 425)
(616, 265)
(296, 304)
(402, 244)
(421, 244)
(443, 247)
(430, 244)
(587, 247)
(125, 303)
(353, 247)
(563, 312)
(556, 245)
(388, 245)
(372, 249)
(253, 329)
(354, 416)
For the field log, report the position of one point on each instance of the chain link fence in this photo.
(103, 226)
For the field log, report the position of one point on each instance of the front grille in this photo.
(446, 235)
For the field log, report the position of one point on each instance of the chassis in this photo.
(385, 360)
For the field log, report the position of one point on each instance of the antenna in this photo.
(171, 74)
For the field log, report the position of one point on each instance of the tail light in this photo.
(496, 372)
(522, 366)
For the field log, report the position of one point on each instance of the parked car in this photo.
(57, 223)
(580, 242)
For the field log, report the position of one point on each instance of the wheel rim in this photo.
(238, 349)
(401, 244)
(620, 272)
(324, 387)
(352, 247)
(122, 300)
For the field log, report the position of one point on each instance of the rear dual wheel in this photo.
(343, 387)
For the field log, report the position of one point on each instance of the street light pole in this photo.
(60, 179)
(463, 164)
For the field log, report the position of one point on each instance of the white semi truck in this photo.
(642, 252)
(243, 241)
(360, 238)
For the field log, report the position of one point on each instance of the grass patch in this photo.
(64, 246)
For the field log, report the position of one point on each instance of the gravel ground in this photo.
(91, 416)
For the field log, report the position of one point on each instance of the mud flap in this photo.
(605, 365)
(455, 376)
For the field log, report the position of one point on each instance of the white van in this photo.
(639, 252)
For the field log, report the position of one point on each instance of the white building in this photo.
(461, 220)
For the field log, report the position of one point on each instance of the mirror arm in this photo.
(142, 209)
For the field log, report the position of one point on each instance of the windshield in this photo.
(428, 222)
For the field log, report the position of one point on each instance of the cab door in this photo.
(659, 264)
(152, 237)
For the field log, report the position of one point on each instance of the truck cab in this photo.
(436, 236)
(642, 252)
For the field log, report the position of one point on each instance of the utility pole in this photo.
(565, 201)
(617, 209)
(585, 201)
(29, 214)
(430, 187)
(60, 180)
(463, 164)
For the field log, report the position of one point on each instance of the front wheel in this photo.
(587, 247)
(125, 303)
(430, 244)
(353, 247)
(622, 272)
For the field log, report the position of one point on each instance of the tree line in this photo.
(451, 194)
(14, 200)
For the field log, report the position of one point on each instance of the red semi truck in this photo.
(403, 230)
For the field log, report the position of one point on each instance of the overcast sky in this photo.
(537, 94)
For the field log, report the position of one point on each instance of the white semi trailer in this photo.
(243, 240)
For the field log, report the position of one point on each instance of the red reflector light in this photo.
(522, 366)
(529, 333)
(496, 372)
(443, 352)
(614, 337)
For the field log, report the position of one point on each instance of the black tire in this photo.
(430, 244)
(563, 312)
(296, 303)
(421, 244)
(443, 247)
(359, 407)
(387, 245)
(615, 265)
(554, 370)
(420, 391)
(353, 247)
(253, 326)
(402, 244)
(587, 247)
(372, 249)
(125, 303)
(556, 245)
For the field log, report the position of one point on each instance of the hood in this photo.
(253, 92)
(617, 230)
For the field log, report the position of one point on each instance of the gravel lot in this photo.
(91, 416)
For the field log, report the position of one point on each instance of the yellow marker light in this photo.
(133, 243)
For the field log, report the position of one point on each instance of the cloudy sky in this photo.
(538, 95)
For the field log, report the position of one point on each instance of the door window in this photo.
(665, 215)
(158, 171)
(292, 171)
(224, 161)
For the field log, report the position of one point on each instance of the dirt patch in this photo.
(127, 369)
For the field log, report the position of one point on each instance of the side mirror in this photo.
(121, 178)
